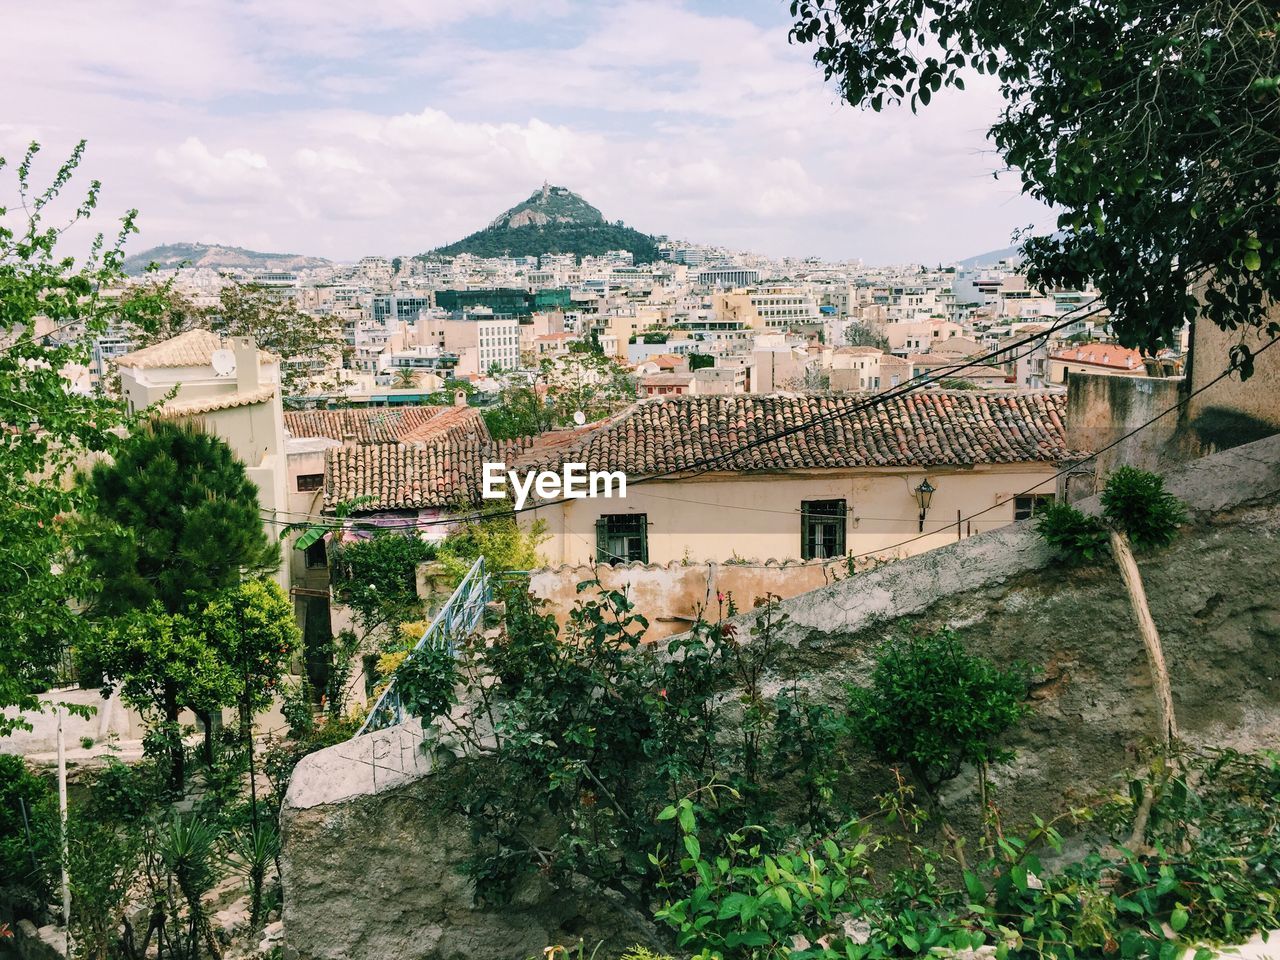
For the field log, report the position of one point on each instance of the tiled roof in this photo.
(225, 401)
(961, 428)
(915, 429)
(402, 476)
(386, 424)
(1110, 355)
(191, 349)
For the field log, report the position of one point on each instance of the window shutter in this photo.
(602, 541)
(644, 538)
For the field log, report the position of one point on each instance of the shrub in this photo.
(1077, 536)
(1212, 877)
(28, 844)
(1136, 502)
(934, 707)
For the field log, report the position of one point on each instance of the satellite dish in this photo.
(224, 362)
(579, 418)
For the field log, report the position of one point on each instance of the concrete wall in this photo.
(674, 595)
(1102, 408)
(1226, 413)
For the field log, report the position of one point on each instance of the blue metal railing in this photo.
(460, 616)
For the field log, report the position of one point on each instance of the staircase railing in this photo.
(460, 616)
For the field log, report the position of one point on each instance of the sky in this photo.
(340, 129)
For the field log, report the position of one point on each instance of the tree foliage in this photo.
(51, 307)
(737, 898)
(590, 383)
(865, 335)
(592, 738)
(1136, 502)
(377, 578)
(174, 520)
(1148, 124)
(533, 240)
(252, 630)
(308, 344)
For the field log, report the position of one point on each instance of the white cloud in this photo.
(238, 174)
(219, 119)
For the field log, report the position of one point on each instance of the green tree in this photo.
(52, 305)
(28, 834)
(1149, 125)
(698, 361)
(590, 383)
(305, 342)
(173, 521)
(377, 579)
(405, 378)
(160, 663)
(521, 412)
(252, 630)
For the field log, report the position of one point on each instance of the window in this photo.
(316, 556)
(821, 529)
(1026, 507)
(621, 537)
(310, 481)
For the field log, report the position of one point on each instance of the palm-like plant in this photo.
(249, 853)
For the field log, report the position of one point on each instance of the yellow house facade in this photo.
(746, 478)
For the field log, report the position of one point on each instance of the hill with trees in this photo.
(553, 220)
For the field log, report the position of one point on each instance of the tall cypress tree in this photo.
(174, 521)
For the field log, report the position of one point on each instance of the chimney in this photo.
(248, 369)
(460, 398)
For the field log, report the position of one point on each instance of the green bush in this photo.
(935, 707)
(1213, 876)
(1136, 502)
(1079, 537)
(27, 859)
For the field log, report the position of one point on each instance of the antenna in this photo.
(579, 418)
(224, 362)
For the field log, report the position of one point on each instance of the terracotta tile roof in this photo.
(191, 349)
(959, 428)
(406, 424)
(226, 401)
(403, 476)
(1110, 355)
(916, 429)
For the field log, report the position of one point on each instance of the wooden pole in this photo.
(1132, 578)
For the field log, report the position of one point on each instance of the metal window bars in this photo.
(460, 616)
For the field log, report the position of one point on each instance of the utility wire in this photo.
(844, 558)
(696, 468)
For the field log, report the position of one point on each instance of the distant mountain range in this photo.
(218, 258)
(553, 220)
(991, 258)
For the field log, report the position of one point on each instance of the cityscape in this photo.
(405, 557)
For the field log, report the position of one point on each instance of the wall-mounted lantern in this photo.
(924, 497)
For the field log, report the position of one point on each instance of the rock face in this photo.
(377, 876)
(370, 870)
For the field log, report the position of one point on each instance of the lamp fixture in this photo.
(924, 497)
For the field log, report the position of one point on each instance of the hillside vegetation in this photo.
(553, 220)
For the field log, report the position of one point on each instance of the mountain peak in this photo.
(553, 220)
(549, 204)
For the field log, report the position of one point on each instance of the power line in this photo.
(844, 558)
(696, 468)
